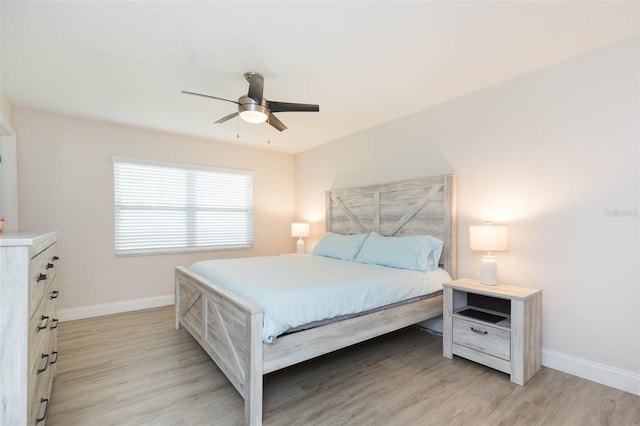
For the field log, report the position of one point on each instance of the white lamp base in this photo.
(300, 246)
(489, 270)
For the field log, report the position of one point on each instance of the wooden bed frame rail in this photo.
(297, 347)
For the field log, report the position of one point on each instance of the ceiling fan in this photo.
(254, 108)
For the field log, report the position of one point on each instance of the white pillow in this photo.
(416, 253)
(339, 246)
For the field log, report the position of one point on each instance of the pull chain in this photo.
(238, 127)
(268, 131)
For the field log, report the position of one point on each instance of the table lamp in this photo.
(489, 238)
(300, 230)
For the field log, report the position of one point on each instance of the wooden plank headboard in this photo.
(413, 207)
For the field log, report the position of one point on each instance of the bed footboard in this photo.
(229, 329)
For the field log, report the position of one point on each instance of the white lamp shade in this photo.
(489, 238)
(299, 229)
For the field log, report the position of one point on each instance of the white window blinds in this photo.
(173, 208)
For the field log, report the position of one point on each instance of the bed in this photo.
(230, 329)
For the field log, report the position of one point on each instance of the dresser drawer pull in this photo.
(41, 277)
(55, 360)
(54, 324)
(475, 330)
(44, 415)
(54, 294)
(54, 258)
(46, 365)
(49, 265)
(46, 324)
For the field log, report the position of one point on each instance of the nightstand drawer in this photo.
(484, 338)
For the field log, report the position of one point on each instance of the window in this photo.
(174, 208)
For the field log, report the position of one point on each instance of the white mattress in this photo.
(298, 290)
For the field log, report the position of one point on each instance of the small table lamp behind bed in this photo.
(300, 230)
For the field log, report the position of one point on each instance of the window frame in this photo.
(190, 248)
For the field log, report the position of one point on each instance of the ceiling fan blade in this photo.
(226, 118)
(288, 106)
(273, 120)
(256, 86)
(209, 96)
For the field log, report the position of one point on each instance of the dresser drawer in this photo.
(41, 374)
(484, 338)
(40, 397)
(43, 322)
(42, 271)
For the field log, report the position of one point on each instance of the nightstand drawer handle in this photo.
(478, 331)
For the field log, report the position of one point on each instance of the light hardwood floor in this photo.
(136, 369)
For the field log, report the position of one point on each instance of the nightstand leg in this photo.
(517, 342)
(447, 323)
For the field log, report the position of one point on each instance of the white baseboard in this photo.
(114, 308)
(610, 376)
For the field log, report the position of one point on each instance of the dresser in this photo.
(28, 350)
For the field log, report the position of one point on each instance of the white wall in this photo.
(547, 153)
(66, 184)
(8, 166)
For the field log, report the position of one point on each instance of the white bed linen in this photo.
(297, 290)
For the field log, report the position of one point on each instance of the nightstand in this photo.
(497, 326)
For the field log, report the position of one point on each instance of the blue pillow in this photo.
(339, 246)
(416, 253)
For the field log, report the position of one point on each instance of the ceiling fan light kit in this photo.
(254, 108)
(251, 111)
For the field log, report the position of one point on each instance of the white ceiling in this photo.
(365, 63)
